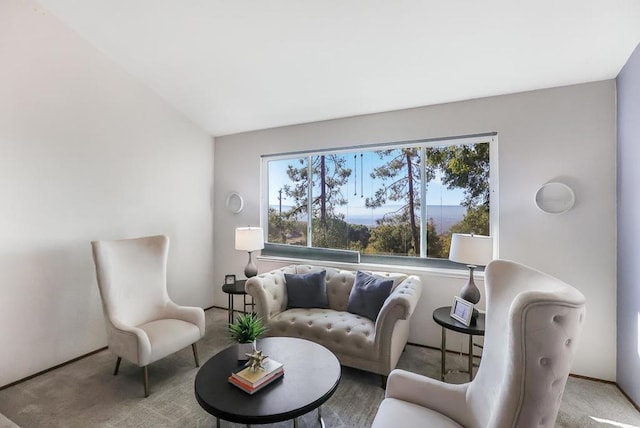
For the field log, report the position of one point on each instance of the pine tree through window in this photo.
(400, 200)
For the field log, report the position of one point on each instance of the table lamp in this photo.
(249, 239)
(474, 251)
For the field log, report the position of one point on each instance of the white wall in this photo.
(86, 153)
(565, 134)
(628, 86)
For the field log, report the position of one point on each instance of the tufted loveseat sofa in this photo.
(357, 341)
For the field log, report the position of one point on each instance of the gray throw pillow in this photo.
(307, 290)
(368, 295)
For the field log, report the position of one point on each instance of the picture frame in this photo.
(461, 310)
(229, 279)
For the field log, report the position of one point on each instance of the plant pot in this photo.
(244, 349)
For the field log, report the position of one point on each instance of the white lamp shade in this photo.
(471, 249)
(249, 238)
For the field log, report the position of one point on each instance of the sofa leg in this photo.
(383, 382)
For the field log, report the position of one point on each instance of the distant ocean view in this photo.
(444, 216)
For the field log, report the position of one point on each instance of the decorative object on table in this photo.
(229, 279)
(249, 239)
(251, 380)
(472, 250)
(255, 360)
(555, 198)
(461, 310)
(244, 331)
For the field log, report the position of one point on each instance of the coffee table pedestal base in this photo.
(295, 421)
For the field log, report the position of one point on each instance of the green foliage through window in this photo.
(371, 200)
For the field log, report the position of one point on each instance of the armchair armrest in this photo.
(400, 303)
(444, 398)
(191, 314)
(131, 343)
(269, 293)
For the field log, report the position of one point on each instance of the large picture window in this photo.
(398, 200)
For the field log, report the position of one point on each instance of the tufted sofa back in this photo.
(340, 282)
(532, 327)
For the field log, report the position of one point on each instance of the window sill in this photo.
(411, 270)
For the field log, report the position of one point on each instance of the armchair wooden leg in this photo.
(195, 354)
(118, 361)
(146, 381)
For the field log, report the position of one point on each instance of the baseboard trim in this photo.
(594, 379)
(633, 403)
(24, 379)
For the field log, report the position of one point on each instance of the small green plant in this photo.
(246, 328)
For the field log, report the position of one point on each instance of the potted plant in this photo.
(244, 331)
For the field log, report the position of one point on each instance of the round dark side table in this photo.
(234, 289)
(311, 376)
(443, 318)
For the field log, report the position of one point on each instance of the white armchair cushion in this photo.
(166, 336)
(394, 413)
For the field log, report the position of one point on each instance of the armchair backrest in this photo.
(532, 325)
(132, 279)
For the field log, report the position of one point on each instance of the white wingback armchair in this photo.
(532, 325)
(143, 324)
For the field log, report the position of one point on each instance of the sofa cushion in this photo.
(368, 295)
(307, 290)
(342, 332)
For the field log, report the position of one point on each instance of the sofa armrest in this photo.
(444, 398)
(400, 303)
(269, 293)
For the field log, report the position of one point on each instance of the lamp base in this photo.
(250, 270)
(470, 292)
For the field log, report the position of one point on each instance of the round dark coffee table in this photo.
(311, 376)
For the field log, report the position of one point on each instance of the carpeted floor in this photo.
(86, 394)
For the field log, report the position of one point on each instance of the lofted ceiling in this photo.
(234, 65)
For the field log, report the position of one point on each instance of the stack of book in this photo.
(250, 380)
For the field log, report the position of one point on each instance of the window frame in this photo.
(308, 252)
